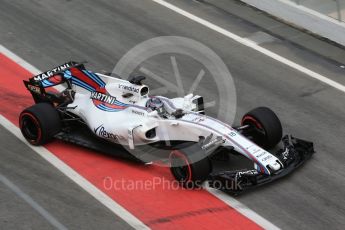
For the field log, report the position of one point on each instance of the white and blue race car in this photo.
(102, 112)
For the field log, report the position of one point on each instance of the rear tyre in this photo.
(188, 173)
(39, 123)
(265, 126)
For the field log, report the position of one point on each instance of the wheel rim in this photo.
(258, 131)
(30, 128)
(180, 166)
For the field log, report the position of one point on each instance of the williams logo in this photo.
(101, 132)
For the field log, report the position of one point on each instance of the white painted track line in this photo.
(19, 60)
(60, 165)
(241, 208)
(253, 45)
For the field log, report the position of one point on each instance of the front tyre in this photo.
(188, 173)
(39, 123)
(264, 125)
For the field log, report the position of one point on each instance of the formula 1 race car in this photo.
(103, 113)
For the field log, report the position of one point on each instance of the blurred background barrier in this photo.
(331, 8)
(323, 17)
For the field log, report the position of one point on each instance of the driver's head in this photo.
(155, 104)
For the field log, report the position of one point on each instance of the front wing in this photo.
(294, 154)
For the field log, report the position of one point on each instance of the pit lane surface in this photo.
(38, 183)
(101, 32)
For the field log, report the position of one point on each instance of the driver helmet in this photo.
(155, 104)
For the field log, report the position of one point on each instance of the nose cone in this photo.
(275, 166)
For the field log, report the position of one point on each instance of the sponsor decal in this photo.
(138, 112)
(251, 172)
(34, 89)
(266, 158)
(103, 98)
(216, 142)
(256, 151)
(101, 132)
(198, 119)
(232, 134)
(104, 101)
(129, 88)
(52, 72)
(260, 154)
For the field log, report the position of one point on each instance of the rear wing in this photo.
(50, 77)
(56, 76)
